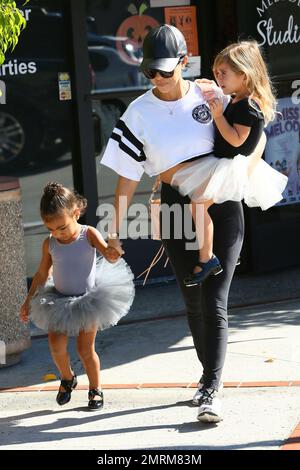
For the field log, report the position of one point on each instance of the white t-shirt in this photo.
(148, 138)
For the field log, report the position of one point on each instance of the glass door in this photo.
(35, 135)
(116, 30)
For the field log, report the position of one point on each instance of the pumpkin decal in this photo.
(132, 33)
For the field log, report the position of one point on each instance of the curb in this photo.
(158, 385)
(292, 443)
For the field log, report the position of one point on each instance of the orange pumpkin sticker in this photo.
(132, 33)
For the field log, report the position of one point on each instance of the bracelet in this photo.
(113, 235)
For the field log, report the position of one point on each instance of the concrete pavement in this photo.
(149, 369)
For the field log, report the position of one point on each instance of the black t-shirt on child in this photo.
(240, 113)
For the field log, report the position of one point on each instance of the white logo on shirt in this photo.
(202, 114)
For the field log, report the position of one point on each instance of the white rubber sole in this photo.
(209, 418)
(215, 272)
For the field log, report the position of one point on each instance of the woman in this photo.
(169, 124)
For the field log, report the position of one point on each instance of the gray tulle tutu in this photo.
(104, 305)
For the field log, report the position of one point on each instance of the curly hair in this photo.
(57, 199)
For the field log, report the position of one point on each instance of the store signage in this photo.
(287, 33)
(275, 24)
(283, 150)
(15, 67)
(132, 31)
(64, 85)
(290, 32)
(185, 19)
(26, 13)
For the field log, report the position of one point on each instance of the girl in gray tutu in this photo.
(83, 294)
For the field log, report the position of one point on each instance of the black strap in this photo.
(67, 385)
(95, 391)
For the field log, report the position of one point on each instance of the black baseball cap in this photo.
(162, 48)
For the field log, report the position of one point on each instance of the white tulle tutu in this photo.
(224, 179)
(103, 306)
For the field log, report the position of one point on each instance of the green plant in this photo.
(12, 23)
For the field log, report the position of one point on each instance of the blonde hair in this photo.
(245, 57)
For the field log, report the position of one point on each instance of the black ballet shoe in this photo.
(64, 397)
(95, 404)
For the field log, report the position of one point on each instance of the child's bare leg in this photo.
(89, 357)
(206, 250)
(58, 343)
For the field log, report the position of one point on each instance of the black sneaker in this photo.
(200, 390)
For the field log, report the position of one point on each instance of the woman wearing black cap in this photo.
(169, 124)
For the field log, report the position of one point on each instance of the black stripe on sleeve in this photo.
(118, 138)
(129, 135)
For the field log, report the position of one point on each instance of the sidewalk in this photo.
(149, 369)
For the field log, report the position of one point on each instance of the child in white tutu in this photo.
(242, 74)
(83, 295)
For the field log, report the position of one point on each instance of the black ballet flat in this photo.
(95, 404)
(64, 397)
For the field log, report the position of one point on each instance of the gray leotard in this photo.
(74, 264)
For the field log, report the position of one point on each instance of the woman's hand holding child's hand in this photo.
(113, 251)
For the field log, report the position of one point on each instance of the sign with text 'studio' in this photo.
(275, 24)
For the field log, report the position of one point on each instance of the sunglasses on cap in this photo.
(151, 73)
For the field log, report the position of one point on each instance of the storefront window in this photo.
(116, 30)
(35, 121)
(275, 25)
(283, 149)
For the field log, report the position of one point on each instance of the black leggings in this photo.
(207, 305)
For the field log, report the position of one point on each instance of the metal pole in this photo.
(83, 151)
